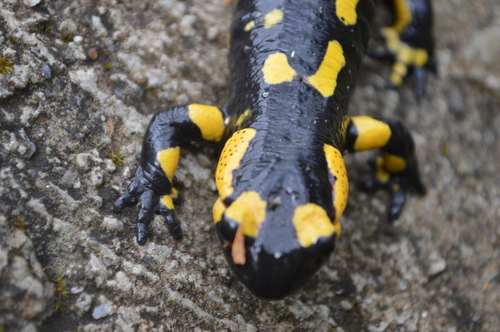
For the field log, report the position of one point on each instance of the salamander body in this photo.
(281, 177)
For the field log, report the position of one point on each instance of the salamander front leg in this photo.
(153, 186)
(396, 169)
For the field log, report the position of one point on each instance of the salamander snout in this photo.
(274, 251)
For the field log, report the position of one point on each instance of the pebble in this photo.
(103, 309)
(437, 265)
(32, 3)
(113, 223)
(84, 302)
(46, 71)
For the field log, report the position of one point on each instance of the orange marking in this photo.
(238, 248)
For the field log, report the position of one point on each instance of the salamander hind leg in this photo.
(396, 168)
(409, 43)
(152, 185)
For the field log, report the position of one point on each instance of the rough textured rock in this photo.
(86, 79)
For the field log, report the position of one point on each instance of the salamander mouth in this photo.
(272, 276)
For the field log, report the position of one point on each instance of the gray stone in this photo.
(103, 308)
(433, 269)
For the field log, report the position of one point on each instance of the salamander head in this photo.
(277, 216)
(274, 250)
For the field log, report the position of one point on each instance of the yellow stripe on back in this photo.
(276, 69)
(273, 18)
(230, 159)
(340, 188)
(346, 11)
(325, 79)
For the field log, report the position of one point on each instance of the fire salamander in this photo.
(281, 177)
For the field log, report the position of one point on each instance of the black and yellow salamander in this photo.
(281, 177)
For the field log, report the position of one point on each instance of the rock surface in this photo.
(86, 79)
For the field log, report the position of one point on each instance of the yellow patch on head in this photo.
(218, 210)
(311, 222)
(230, 158)
(209, 119)
(248, 210)
(273, 18)
(325, 79)
(340, 189)
(371, 133)
(346, 11)
(393, 163)
(168, 159)
(276, 69)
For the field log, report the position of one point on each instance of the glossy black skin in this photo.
(286, 162)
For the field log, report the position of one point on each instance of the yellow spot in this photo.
(371, 133)
(382, 176)
(174, 193)
(325, 79)
(391, 37)
(402, 14)
(399, 68)
(248, 210)
(393, 163)
(249, 26)
(346, 11)
(209, 119)
(168, 159)
(405, 54)
(168, 202)
(218, 210)
(230, 158)
(277, 70)
(311, 222)
(420, 57)
(396, 79)
(273, 18)
(340, 187)
(243, 117)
